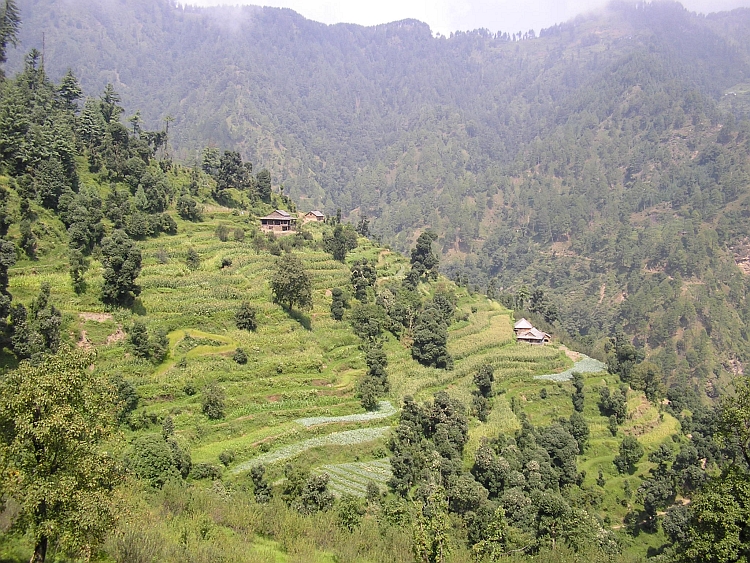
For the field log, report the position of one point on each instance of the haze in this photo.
(446, 16)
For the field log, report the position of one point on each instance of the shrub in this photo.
(151, 460)
(239, 234)
(631, 452)
(205, 471)
(138, 340)
(162, 256)
(261, 488)
(226, 262)
(240, 356)
(159, 346)
(193, 259)
(212, 403)
(222, 233)
(226, 457)
(244, 318)
(188, 209)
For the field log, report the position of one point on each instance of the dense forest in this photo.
(164, 363)
(603, 162)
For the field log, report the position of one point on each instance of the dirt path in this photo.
(572, 354)
(96, 317)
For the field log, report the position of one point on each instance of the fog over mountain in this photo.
(447, 16)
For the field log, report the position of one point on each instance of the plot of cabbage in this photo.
(385, 409)
(352, 478)
(347, 438)
(584, 365)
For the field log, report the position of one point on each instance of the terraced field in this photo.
(294, 399)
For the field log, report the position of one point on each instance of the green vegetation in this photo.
(236, 409)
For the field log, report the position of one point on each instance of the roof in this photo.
(316, 213)
(523, 323)
(533, 334)
(278, 214)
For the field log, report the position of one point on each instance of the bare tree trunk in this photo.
(40, 551)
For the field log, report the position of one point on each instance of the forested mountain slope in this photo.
(605, 161)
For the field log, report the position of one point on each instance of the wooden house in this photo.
(525, 332)
(278, 222)
(316, 216)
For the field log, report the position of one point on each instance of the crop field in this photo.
(352, 478)
(294, 399)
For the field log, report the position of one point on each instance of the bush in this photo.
(205, 471)
(226, 262)
(226, 457)
(212, 403)
(159, 346)
(244, 318)
(193, 259)
(138, 340)
(261, 488)
(222, 233)
(151, 460)
(239, 234)
(188, 209)
(631, 452)
(240, 356)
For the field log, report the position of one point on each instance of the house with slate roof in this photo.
(316, 216)
(279, 221)
(525, 332)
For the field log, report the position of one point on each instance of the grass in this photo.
(295, 399)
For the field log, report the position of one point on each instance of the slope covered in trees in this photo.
(604, 162)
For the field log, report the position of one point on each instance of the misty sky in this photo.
(444, 16)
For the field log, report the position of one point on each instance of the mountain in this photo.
(604, 162)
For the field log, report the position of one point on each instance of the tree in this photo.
(338, 303)
(424, 261)
(631, 451)
(138, 340)
(351, 511)
(363, 276)
(54, 416)
(109, 105)
(159, 346)
(151, 460)
(192, 259)
(70, 92)
(719, 520)
(578, 395)
(36, 332)
(244, 318)
(188, 209)
(430, 340)
(121, 260)
(431, 527)
(79, 265)
(10, 23)
(261, 487)
(212, 402)
(291, 284)
(264, 185)
(342, 240)
(483, 380)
